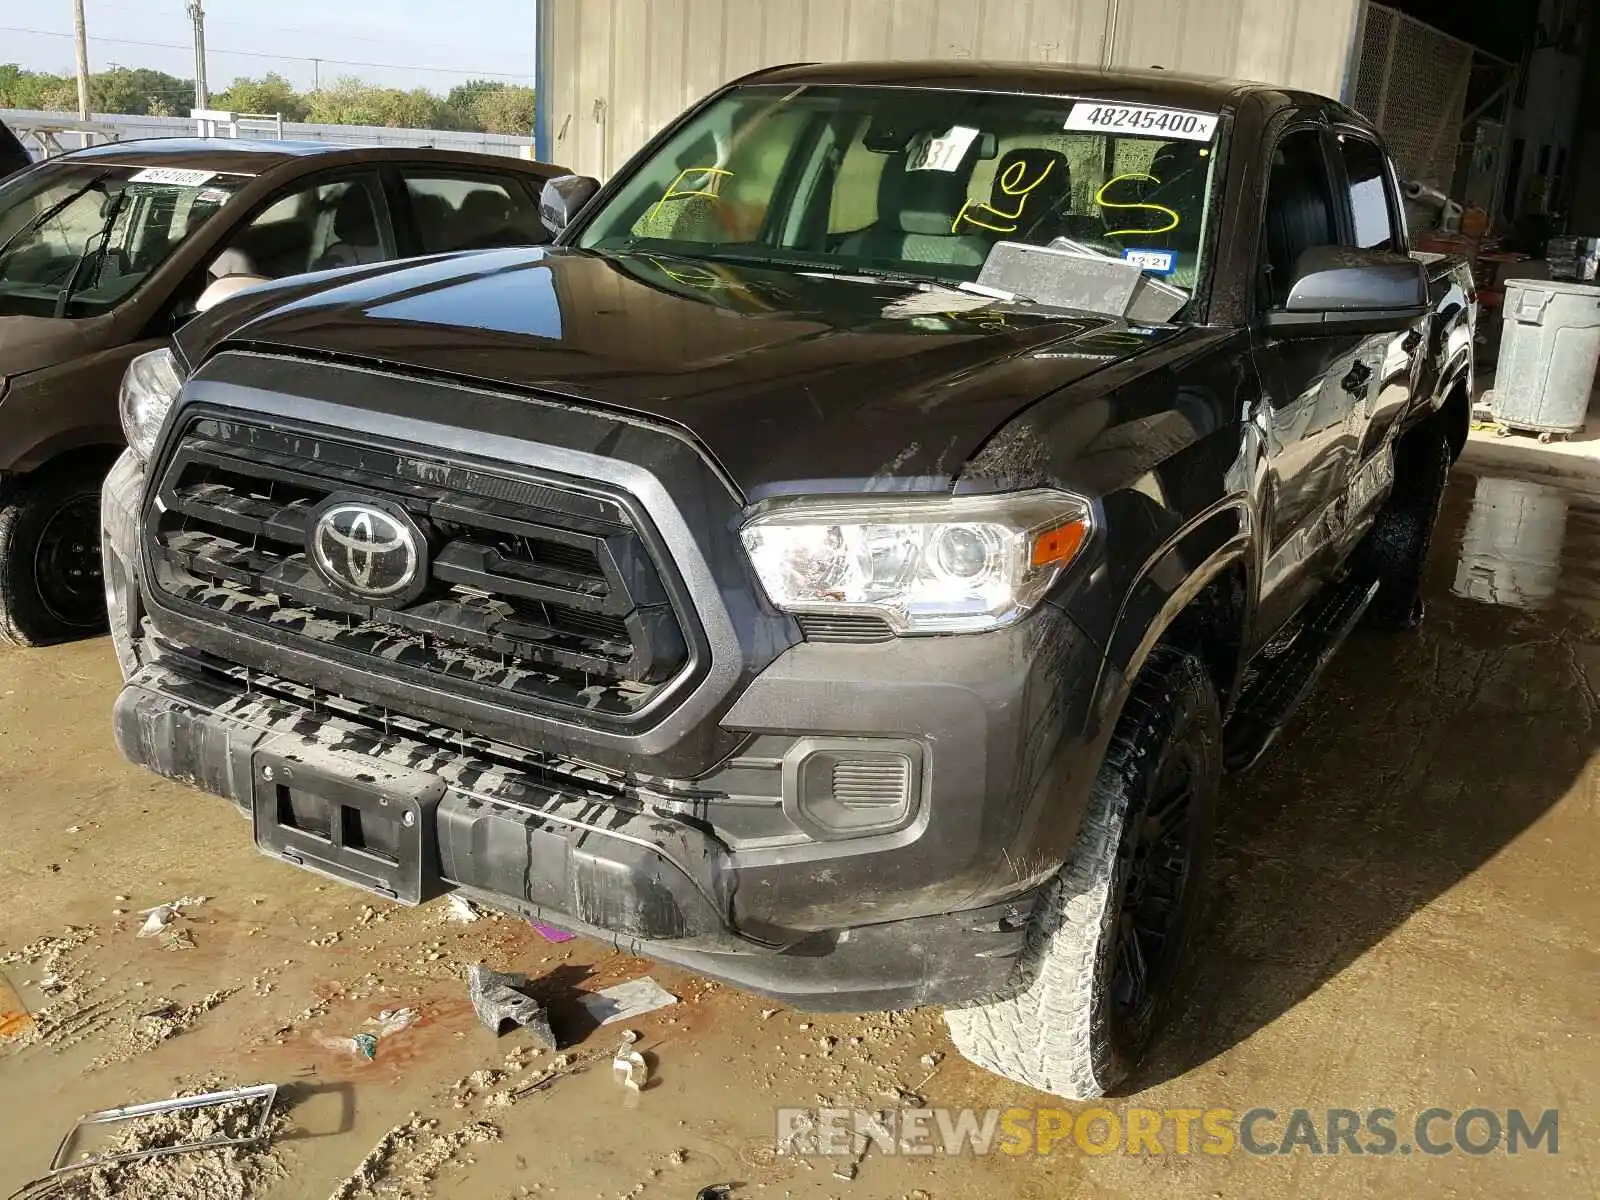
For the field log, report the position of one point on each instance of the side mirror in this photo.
(563, 199)
(1338, 290)
(219, 290)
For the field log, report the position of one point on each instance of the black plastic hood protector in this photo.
(795, 382)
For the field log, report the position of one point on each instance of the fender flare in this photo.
(1149, 607)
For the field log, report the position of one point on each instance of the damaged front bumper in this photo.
(333, 796)
(725, 873)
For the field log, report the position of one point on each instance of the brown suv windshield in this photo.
(76, 239)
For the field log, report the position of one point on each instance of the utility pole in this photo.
(81, 33)
(198, 16)
(316, 74)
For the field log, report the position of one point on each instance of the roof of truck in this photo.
(241, 156)
(1155, 86)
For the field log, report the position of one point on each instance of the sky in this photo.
(423, 43)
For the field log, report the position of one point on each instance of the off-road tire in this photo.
(1395, 551)
(1058, 1033)
(27, 615)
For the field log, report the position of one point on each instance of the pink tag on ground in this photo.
(550, 933)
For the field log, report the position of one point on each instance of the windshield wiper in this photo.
(47, 214)
(103, 236)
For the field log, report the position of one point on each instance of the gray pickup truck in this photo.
(845, 563)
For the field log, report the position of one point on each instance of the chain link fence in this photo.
(1411, 81)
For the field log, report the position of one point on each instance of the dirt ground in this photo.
(1404, 914)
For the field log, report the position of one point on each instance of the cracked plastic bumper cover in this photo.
(649, 884)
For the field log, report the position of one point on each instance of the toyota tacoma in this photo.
(844, 563)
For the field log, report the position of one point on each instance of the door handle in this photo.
(1356, 381)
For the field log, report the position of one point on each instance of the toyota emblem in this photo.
(368, 551)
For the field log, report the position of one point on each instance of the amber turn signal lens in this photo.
(1059, 546)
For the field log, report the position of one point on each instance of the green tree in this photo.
(464, 96)
(34, 89)
(505, 109)
(272, 93)
(138, 91)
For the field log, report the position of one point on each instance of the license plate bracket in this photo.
(341, 815)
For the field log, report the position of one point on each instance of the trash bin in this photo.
(1549, 348)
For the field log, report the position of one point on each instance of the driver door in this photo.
(1316, 390)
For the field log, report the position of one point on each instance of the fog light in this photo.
(849, 787)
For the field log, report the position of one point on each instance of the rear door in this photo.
(450, 209)
(1316, 390)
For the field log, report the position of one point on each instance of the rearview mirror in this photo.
(1340, 290)
(563, 199)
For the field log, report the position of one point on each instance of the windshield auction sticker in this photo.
(943, 153)
(1138, 120)
(172, 175)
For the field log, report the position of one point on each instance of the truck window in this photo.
(1371, 204)
(1300, 212)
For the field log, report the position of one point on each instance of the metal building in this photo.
(613, 72)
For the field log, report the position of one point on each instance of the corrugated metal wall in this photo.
(615, 71)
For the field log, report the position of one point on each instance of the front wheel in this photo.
(1109, 930)
(51, 587)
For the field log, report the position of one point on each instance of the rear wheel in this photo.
(1109, 931)
(51, 587)
(1396, 549)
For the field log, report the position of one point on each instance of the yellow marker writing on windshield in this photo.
(1173, 219)
(707, 188)
(1013, 182)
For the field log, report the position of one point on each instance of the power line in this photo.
(343, 62)
(144, 10)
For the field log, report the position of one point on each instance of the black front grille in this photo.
(536, 591)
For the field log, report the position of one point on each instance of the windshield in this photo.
(919, 182)
(76, 239)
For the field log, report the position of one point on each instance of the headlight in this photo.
(148, 390)
(952, 565)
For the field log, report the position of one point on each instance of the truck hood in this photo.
(793, 381)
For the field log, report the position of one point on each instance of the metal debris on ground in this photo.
(628, 1066)
(626, 1000)
(550, 933)
(497, 999)
(264, 1094)
(156, 921)
(715, 1191)
(158, 918)
(459, 908)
